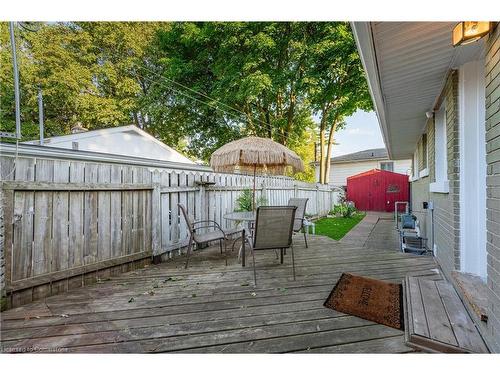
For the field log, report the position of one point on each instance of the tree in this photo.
(249, 75)
(336, 83)
(195, 86)
(87, 73)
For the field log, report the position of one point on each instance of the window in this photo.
(415, 166)
(424, 150)
(424, 172)
(441, 185)
(387, 166)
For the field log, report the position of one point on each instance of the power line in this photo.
(266, 125)
(199, 93)
(183, 93)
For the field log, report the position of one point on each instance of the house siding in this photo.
(446, 206)
(340, 171)
(492, 71)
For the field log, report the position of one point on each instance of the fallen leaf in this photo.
(193, 295)
(245, 284)
(64, 315)
(253, 294)
(131, 300)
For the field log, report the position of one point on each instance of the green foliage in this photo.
(337, 227)
(245, 200)
(335, 81)
(344, 209)
(193, 85)
(87, 73)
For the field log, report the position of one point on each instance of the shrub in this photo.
(345, 208)
(244, 201)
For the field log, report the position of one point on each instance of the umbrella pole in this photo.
(253, 205)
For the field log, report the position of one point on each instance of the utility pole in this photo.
(40, 115)
(16, 80)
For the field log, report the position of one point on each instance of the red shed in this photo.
(377, 190)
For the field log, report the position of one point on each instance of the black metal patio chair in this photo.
(273, 230)
(195, 237)
(298, 223)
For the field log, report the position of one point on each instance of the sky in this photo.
(362, 132)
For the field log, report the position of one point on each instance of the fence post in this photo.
(202, 200)
(295, 191)
(156, 216)
(317, 200)
(263, 192)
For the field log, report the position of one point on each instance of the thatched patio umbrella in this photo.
(255, 153)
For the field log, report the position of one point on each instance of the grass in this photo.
(337, 227)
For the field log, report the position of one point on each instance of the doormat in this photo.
(367, 298)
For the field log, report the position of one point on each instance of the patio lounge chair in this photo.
(273, 230)
(298, 224)
(217, 234)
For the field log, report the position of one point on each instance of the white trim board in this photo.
(471, 96)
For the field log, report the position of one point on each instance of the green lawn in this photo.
(337, 227)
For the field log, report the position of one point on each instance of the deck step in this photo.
(436, 319)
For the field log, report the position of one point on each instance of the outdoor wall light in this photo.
(469, 31)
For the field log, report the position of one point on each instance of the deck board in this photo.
(437, 321)
(213, 308)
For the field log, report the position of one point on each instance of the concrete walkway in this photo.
(376, 231)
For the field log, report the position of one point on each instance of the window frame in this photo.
(389, 162)
(441, 183)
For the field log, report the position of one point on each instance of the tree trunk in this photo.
(322, 155)
(329, 151)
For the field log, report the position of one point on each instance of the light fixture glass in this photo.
(469, 31)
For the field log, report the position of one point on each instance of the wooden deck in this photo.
(436, 320)
(213, 308)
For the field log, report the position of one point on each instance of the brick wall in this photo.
(492, 71)
(446, 206)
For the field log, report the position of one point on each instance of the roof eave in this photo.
(364, 40)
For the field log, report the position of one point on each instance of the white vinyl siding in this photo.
(340, 171)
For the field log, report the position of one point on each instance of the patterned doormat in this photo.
(370, 299)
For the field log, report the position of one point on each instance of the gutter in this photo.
(363, 34)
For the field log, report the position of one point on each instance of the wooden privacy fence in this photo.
(69, 222)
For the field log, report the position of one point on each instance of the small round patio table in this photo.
(245, 217)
